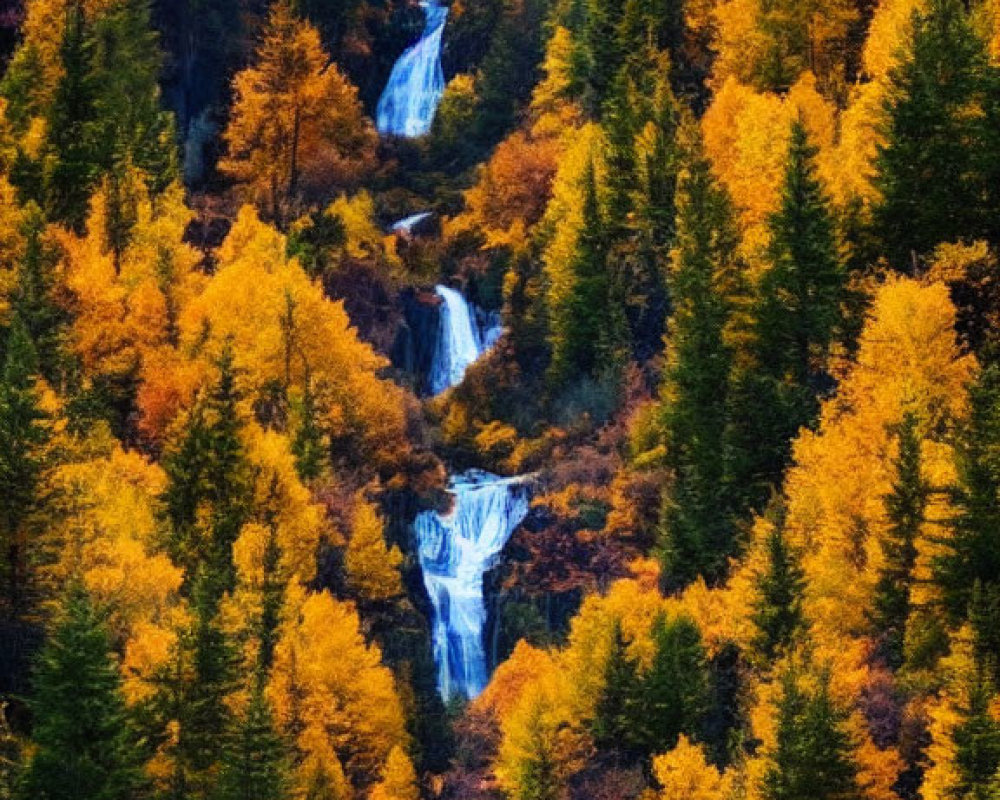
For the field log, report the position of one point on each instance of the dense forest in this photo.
(500, 400)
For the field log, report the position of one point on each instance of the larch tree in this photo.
(296, 130)
(372, 567)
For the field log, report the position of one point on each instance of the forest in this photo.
(500, 400)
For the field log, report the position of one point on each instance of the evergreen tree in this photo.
(777, 611)
(794, 318)
(254, 759)
(937, 170)
(84, 749)
(307, 445)
(696, 533)
(71, 172)
(973, 550)
(585, 335)
(616, 717)
(23, 439)
(675, 690)
(192, 694)
(976, 740)
(813, 759)
(208, 472)
(905, 507)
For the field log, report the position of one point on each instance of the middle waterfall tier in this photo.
(465, 333)
(455, 550)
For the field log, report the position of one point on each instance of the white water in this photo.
(455, 551)
(462, 338)
(405, 225)
(416, 83)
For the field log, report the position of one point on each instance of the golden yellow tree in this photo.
(399, 778)
(296, 126)
(372, 568)
(685, 774)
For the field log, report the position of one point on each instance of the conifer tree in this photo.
(254, 758)
(675, 689)
(777, 611)
(973, 550)
(976, 739)
(23, 439)
(208, 478)
(937, 170)
(308, 443)
(794, 318)
(616, 717)
(585, 337)
(697, 535)
(813, 758)
(84, 748)
(905, 507)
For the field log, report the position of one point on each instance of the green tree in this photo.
(254, 757)
(813, 759)
(777, 613)
(585, 334)
(675, 689)
(84, 747)
(616, 717)
(23, 439)
(977, 740)
(905, 506)
(794, 318)
(973, 553)
(697, 535)
(937, 170)
(209, 484)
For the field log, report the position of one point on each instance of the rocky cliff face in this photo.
(417, 335)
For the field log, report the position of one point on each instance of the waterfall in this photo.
(463, 338)
(455, 551)
(416, 83)
(406, 224)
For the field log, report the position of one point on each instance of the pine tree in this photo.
(794, 318)
(254, 759)
(71, 172)
(973, 550)
(937, 171)
(976, 740)
(84, 748)
(585, 337)
(697, 535)
(813, 759)
(905, 507)
(616, 716)
(308, 443)
(23, 439)
(777, 611)
(192, 694)
(208, 472)
(675, 689)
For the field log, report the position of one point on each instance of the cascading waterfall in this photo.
(455, 551)
(463, 338)
(416, 83)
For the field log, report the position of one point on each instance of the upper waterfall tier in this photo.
(464, 337)
(410, 98)
(455, 551)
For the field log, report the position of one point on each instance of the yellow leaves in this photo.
(511, 679)
(746, 135)
(685, 774)
(357, 214)
(372, 568)
(889, 36)
(399, 779)
(283, 331)
(296, 123)
(551, 109)
(330, 689)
